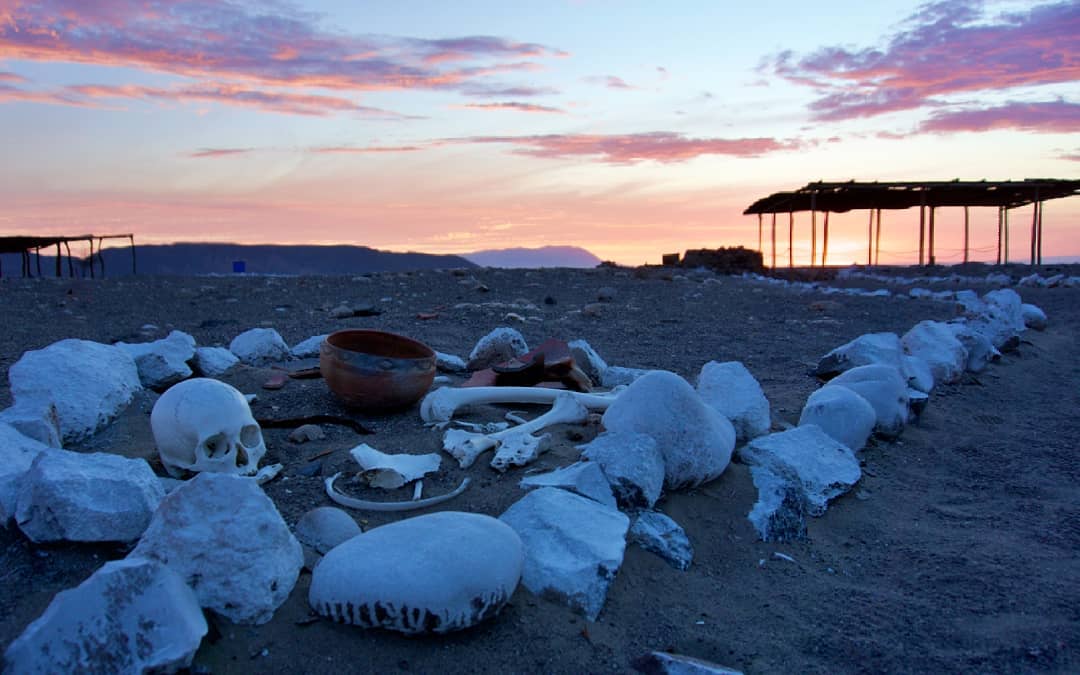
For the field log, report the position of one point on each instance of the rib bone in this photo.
(365, 505)
(441, 404)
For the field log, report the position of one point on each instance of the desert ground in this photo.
(957, 551)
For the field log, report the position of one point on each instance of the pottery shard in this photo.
(573, 547)
(260, 347)
(734, 393)
(224, 536)
(88, 384)
(632, 465)
(501, 344)
(130, 616)
(71, 496)
(435, 573)
(695, 440)
(162, 363)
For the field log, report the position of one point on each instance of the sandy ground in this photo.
(958, 550)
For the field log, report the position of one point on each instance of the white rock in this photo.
(448, 363)
(17, 453)
(935, 343)
(309, 348)
(130, 616)
(841, 413)
(810, 459)
(864, 350)
(779, 514)
(666, 663)
(71, 496)
(885, 389)
(632, 465)
(87, 382)
(1009, 303)
(162, 363)
(1034, 317)
(615, 376)
(260, 347)
(573, 546)
(584, 478)
(586, 358)
(225, 537)
(734, 393)
(659, 534)
(324, 527)
(214, 361)
(918, 373)
(695, 440)
(36, 419)
(501, 344)
(434, 573)
(980, 349)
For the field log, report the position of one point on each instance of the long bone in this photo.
(517, 445)
(441, 404)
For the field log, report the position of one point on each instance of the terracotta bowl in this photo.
(375, 371)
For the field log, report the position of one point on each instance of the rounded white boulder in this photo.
(842, 414)
(885, 389)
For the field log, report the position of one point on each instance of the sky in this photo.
(632, 129)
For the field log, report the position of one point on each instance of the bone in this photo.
(418, 490)
(268, 473)
(392, 471)
(441, 404)
(410, 505)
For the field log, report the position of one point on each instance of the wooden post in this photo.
(930, 238)
(966, 234)
(1005, 245)
(877, 240)
(58, 259)
(791, 239)
(870, 240)
(1038, 249)
(37, 259)
(922, 232)
(132, 238)
(1034, 224)
(759, 245)
(1000, 227)
(774, 240)
(825, 241)
(813, 229)
(100, 255)
(91, 240)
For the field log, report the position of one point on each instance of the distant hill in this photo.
(207, 258)
(547, 256)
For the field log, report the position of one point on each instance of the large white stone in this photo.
(980, 349)
(309, 348)
(17, 453)
(885, 389)
(584, 478)
(449, 363)
(501, 344)
(88, 383)
(695, 440)
(935, 343)
(324, 527)
(1033, 316)
(632, 465)
(164, 362)
(214, 361)
(821, 466)
(71, 496)
(573, 546)
(130, 616)
(1009, 303)
(36, 419)
(734, 393)
(841, 413)
(659, 534)
(225, 537)
(615, 376)
(864, 350)
(779, 514)
(260, 347)
(434, 573)
(918, 373)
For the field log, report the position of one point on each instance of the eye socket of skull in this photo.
(250, 436)
(215, 445)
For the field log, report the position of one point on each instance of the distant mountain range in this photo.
(210, 258)
(547, 256)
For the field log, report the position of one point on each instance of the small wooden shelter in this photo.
(25, 245)
(926, 195)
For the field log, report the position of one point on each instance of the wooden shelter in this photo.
(926, 195)
(24, 245)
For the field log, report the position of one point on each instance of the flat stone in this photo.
(226, 539)
(584, 478)
(17, 454)
(808, 458)
(36, 419)
(435, 573)
(695, 440)
(573, 547)
(841, 413)
(214, 361)
(632, 465)
(71, 496)
(260, 347)
(308, 348)
(501, 344)
(934, 342)
(130, 616)
(734, 393)
(164, 362)
(659, 534)
(885, 389)
(88, 384)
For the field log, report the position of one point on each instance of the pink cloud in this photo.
(946, 48)
(515, 105)
(10, 94)
(659, 146)
(1073, 157)
(1047, 117)
(488, 91)
(11, 77)
(609, 81)
(220, 152)
(270, 44)
(352, 150)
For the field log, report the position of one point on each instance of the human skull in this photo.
(203, 424)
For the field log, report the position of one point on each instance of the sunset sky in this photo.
(629, 128)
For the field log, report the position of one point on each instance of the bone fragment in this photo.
(441, 404)
(365, 505)
(418, 490)
(268, 473)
